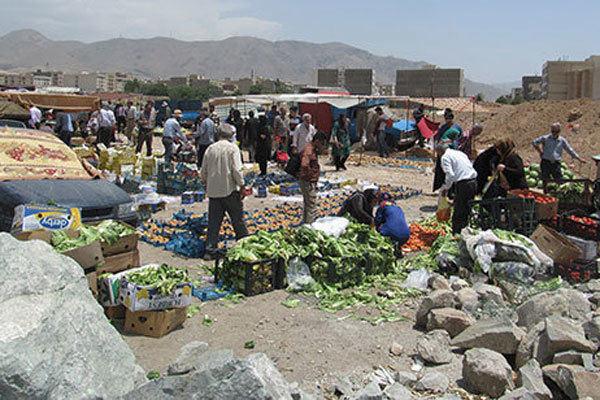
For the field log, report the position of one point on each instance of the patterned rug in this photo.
(26, 154)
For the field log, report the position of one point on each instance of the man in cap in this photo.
(551, 154)
(221, 173)
(460, 172)
(205, 136)
(172, 134)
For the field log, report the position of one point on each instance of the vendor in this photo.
(501, 163)
(551, 153)
(390, 221)
(360, 206)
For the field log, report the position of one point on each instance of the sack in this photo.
(443, 212)
(293, 165)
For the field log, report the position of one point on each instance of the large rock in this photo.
(499, 334)
(438, 282)
(468, 299)
(437, 299)
(459, 284)
(451, 320)
(568, 357)
(370, 392)
(564, 302)
(433, 381)
(55, 342)
(489, 293)
(592, 330)
(254, 377)
(188, 355)
(531, 378)
(529, 345)
(592, 286)
(574, 381)
(434, 347)
(562, 334)
(406, 378)
(398, 392)
(519, 394)
(487, 372)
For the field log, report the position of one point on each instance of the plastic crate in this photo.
(331, 274)
(580, 229)
(252, 278)
(513, 214)
(578, 272)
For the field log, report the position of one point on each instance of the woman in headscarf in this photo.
(503, 165)
(341, 142)
(262, 144)
(360, 206)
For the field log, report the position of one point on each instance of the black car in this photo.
(12, 123)
(98, 199)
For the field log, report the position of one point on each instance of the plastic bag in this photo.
(298, 276)
(417, 279)
(443, 211)
(332, 226)
(516, 272)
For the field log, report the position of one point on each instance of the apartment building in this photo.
(430, 81)
(357, 81)
(563, 80)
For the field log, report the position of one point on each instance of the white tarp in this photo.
(336, 100)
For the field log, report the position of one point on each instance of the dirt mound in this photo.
(527, 121)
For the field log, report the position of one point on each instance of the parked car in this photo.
(12, 123)
(98, 199)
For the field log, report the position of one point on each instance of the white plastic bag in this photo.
(332, 226)
(417, 279)
(298, 276)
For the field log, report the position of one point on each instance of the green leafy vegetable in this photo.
(291, 303)
(164, 279)
(249, 344)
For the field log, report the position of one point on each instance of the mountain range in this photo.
(234, 57)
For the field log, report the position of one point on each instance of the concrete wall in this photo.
(430, 82)
(359, 81)
(326, 77)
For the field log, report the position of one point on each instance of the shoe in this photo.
(344, 168)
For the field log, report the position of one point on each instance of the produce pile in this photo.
(570, 192)
(424, 233)
(183, 232)
(401, 162)
(539, 198)
(163, 279)
(358, 252)
(108, 231)
(533, 174)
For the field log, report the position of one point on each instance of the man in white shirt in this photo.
(303, 134)
(221, 174)
(106, 125)
(131, 116)
(459, 172)
(36, 117)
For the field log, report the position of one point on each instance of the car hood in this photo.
(95, 193)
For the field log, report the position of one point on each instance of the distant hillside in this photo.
(233, 57)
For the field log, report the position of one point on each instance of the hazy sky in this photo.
(494, 41)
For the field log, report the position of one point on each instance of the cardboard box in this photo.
(120, 262)
(154, 323)
(555, 246)
(92, 279)
(109, 286)
(87, 256)
(33, 217)
(115, 312)
(125, 243)
(542, 210)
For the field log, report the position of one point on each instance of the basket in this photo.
(585, 230)
(252, 278)
(578, 272)
(512, 214)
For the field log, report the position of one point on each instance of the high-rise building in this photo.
(430, 82)
(563, 80)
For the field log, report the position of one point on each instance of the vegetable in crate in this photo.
(163, 279)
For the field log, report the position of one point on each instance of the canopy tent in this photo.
(10, 110)
(62, 102)
(335, 100)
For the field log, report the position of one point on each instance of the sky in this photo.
(493, 41)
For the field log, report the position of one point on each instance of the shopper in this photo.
(106, 125)
(131, 118)
(35, 117)
(341, 142)
(146, 128)
(391, 222)
(221, 173)
(64, 127)
(308, 175)
(465, 141)
(360, 206)
(205, 136)
(380, 133)
(250, 133)
(172, 134)
(458, 171)
(303, 134)
(449, 124)
(551, 153)
(262, 144)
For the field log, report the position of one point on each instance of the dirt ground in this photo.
(308, 345)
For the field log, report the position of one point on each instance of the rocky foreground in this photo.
(55, 343)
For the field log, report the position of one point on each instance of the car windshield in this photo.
(31, 154)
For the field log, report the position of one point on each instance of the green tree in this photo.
(516, 100)
(155, 89)
(183, 93)
(281, 87)
(479, 97)
(132, 86)
(256, 89)
(502, 100)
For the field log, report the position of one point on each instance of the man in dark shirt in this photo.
(250, 134)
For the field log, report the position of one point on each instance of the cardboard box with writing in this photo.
(154, 323)
(560, 249)
(120, 262)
